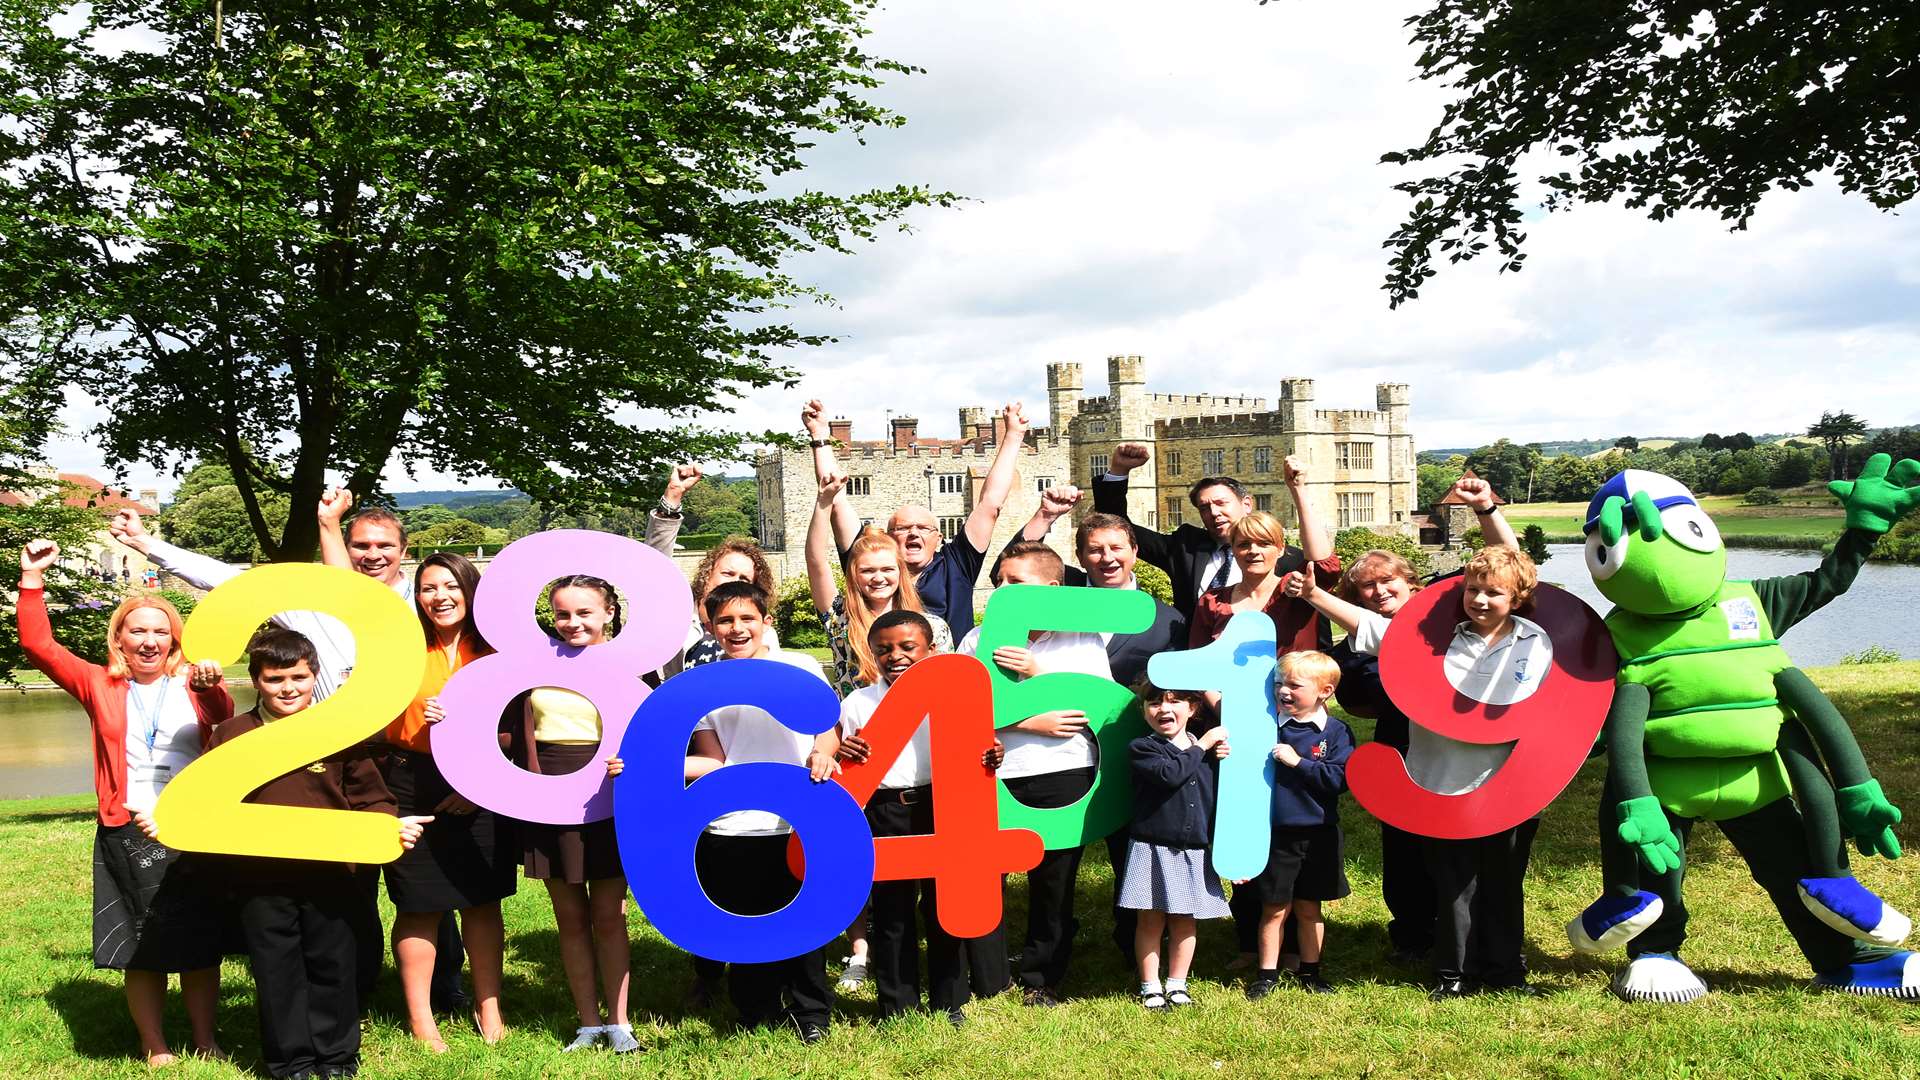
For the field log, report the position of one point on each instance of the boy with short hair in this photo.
(299, 916)
(1305, 864)
(742, 856)
(1050, 762)
(901, 806)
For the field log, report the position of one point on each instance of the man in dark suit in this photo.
(1107, 549)
(1196, 558)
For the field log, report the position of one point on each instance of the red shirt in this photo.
(104, 697)
(1296, 624)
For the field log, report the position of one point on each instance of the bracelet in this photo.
(1488, 510)
(818, 443)
(666, 510)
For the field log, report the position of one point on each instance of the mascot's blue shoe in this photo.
(1851, 908)
(1660, 977)
(1889, 976)
(1612, 921)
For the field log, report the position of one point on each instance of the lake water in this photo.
(46, 748)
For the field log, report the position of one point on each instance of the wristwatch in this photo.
(665, 509)
(818, 443)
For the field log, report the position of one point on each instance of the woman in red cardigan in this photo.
(152, 713)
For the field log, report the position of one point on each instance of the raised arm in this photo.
(1314, 542)
(68, 671)
(1110, 497)
(663, 521)
(334, 504)
(846, 523)
(1478, 495)
(993, 493)
(820, 549)
(1874, 502)
(1055, 503)
(197, 570)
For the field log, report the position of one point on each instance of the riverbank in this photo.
(1806, 518)
(65, 1020)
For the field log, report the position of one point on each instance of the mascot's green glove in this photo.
(1867, 816)
(1643, 823)
(1875, 501)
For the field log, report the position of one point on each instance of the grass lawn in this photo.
(1807, 511)
(62, 1019)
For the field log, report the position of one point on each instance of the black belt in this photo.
(906, 796)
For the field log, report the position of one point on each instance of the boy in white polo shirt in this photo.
(901, 806)
(1050, 762)
(742, 856)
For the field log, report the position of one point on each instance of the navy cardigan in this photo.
(1173, 793)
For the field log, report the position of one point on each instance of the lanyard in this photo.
(151, 716)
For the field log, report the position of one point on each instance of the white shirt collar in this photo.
(1318, 718)
(1517, 629)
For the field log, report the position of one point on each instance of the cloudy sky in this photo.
(1199, 185)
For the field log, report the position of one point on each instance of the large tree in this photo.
(536, 239)
(1706, 105)
(1836, 430)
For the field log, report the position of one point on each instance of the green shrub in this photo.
(1872, 654)
(1154, 582)
(1350, 544)
(793, 615)
(1533, 541)
(1760, 496)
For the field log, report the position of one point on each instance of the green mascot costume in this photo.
(1710, 720)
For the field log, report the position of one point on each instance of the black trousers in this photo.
(304, 952)
(1773, 842)
(1124, 919)
(1050, 922)
(1412, 902)
(748, 875)
(1481, 931)
(893, 943)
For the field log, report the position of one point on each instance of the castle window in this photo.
(952, 483)
(1097, 427)
(1262, 459)
(1173, 463)
(1213, 462)
(950, 526)
(1353, 455)
(1263, 502)
(1097, 465)
(1173, 511)
(1041, 484)
(1356, 507)
(859, 485)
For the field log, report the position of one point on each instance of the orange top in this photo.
(410, 731)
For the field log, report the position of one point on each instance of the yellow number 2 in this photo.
(201, 810)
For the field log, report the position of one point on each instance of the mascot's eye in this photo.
(1690, 527)
(1604, 560)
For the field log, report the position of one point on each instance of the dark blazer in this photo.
(1182, 553)
(1173, 793)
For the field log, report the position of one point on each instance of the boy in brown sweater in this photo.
(298, 916)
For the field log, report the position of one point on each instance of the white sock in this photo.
(1176, 984)
(1148, 987)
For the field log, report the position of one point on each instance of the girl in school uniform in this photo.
(1167, 878)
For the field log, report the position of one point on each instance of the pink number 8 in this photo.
(466, 745)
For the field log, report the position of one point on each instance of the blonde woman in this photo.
(152, 713)
(877, 582)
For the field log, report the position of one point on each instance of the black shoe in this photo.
(1039, 997)
(1260, 988)
(1312, 983)
(957, 1018)
(1449, 988)
(459, 1003)
(811, 1033)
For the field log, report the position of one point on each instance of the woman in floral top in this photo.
(877, 583)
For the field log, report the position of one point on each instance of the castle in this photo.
(1360, 462)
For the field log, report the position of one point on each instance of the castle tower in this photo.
(1127, 389)
(1064, 383)
(1394, 399)
(1296, 405)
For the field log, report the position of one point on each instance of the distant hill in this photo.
(410, 500)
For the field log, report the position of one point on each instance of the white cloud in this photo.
(1200, 185)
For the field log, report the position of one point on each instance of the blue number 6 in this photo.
(658, 817)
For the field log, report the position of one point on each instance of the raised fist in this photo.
(1128, 456)
(1059, 500)
(1475, 492)
(334, 504)
(683, 478)
(813, 417)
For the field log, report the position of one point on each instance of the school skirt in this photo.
(572, 853)
(152, 907)
(1178, 881)
(461, 860)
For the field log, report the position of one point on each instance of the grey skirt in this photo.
(1177, 881)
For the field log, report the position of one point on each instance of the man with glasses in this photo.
(943, 572)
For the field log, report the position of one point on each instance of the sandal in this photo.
(1178, 998)
(584, 1037)
(1154, 1002)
